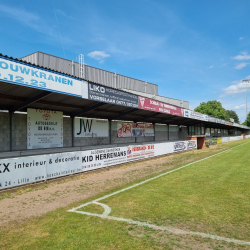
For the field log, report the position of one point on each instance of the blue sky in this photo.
(194, 50)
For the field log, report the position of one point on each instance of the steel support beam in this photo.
(29, 101)
(88, 109)
(123, 114)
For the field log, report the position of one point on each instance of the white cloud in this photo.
(33, 21)
(62, 13)
(236, 88)
(243, 56)
(242, 106)
(98, 55)
(19, 14)
(241, 65)
(210, 67)
(241, 38)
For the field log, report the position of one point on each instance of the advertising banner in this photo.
(163, 148)
(126, 129)
(30, 169)
(153, 105)
(30, 76)
(140, 152)
(192, 144)
(195, 115)
(225, 139)
(44, 128)
(99, 158)
(219, 140)
(179, 146)
(102, 93)
(24, 170)
(91, 128)
(63, 164)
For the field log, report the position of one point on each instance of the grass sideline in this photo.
(62, 230)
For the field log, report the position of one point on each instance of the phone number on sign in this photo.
(20, 79)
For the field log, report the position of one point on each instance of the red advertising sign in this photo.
(153, 105)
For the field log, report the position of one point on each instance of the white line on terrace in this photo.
(107, 209)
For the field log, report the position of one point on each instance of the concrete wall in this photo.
(20, 131)
(4, 131)
(20, 134)
(173, 132)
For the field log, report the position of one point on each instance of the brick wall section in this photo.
(161, 132)
(116, 139)
(20, 134)
(173, 132)
(67, 132)
(20, 131)
(183, 133)
(4, 131)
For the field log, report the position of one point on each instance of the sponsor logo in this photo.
(142, 100)
(96, 88)
(85, 126)
(179, 146)
(46, 117)
(125, 130)
(129, 151)
(191, 144)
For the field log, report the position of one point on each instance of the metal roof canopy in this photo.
(15, 97)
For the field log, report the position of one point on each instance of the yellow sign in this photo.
(219, 140)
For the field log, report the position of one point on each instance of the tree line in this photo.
(214, 108)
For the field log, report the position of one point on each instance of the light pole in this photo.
(247, 81)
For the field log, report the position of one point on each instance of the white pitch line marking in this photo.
(173, 230)
(107, 209)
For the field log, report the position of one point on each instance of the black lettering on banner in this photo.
(88, 126)
(6, 167)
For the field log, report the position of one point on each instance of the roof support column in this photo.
(168, 130)
(12, 142)
(179, 132)
(154, 130)
(110, 131)
(73, 130)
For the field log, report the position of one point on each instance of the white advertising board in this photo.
(126, 129)
(24, 170)
(195, 115)
(34, 77)
(192, 144)
(44, 128)
(179, 146)
(140, 152)
(99, 158)
(91, 128)
(225, 139)
(163, 148)
(63, 164)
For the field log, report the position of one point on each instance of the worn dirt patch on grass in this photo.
(25, 203)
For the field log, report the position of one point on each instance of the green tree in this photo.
(233, 114)
(247, 121)
(213, 108)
